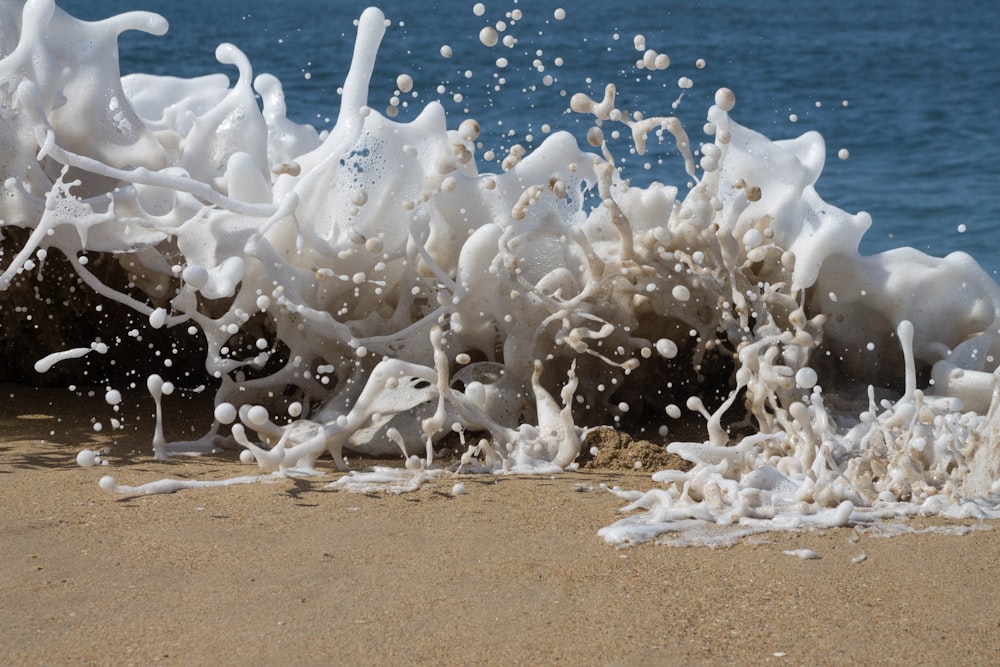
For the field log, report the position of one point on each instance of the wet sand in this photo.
(511, 572)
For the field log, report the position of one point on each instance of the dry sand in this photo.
(511, 572)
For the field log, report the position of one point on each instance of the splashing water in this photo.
(369, 289)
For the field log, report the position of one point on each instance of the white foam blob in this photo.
(725, 99)
(225, 413)
(806, 378)
(87, 458)
(158, 318)
(488, 36)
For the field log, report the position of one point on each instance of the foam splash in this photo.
(369, 289)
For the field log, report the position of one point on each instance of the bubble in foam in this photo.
(359, 197)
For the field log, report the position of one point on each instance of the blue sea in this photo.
(921, 82)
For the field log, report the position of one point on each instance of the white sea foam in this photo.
(392, 294)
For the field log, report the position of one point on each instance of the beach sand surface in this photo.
(510, 572)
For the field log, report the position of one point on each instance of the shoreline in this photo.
(510, 572)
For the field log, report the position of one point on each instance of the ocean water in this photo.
(921, 78)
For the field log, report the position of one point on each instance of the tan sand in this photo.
(512, 572)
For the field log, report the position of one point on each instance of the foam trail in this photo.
(173, 485)
(48, 361)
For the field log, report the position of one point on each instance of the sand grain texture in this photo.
(511, 572)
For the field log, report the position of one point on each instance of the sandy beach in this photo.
(510, 572)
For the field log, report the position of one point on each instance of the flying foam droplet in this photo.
(488, 36)
(154, 383)
(158, 318)
(725, 99)
(595, 136)
(257, 415)
(469, 129)
(225, 413)
(806, 378)
(87, 458)
(666, 348)
(404, 82)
